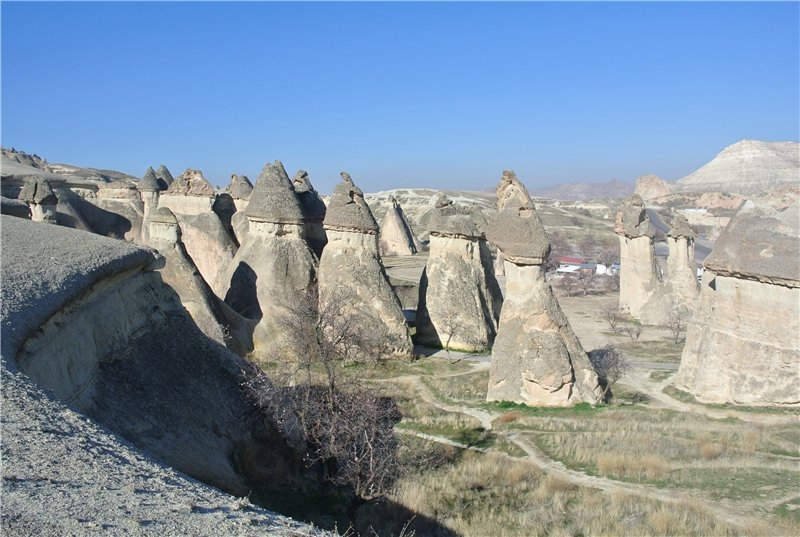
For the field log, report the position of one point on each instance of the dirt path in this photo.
(639, 380)
(535, 456)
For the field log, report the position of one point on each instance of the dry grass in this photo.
(649, 467)
(481, 495)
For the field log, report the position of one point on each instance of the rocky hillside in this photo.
(613, 189)
(747, 167)
(88, 329)
(767, 172)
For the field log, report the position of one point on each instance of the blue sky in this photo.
(420, 94)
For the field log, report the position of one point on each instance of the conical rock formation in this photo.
(459, 298)
(536, 358)
(397, 237)
(313, 211)
(351, 272)
(275, 267)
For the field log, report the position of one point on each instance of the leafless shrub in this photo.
(676, 323)
(345, 428)
(568, 283)
(611, 364)
(612, 317)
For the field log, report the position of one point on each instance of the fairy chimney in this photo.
(351, 273)
(536, 358)
(459, 298)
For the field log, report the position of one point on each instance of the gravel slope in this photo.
(62, 473)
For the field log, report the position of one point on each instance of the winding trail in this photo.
(638, 380)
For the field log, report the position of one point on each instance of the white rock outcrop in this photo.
(396, 235)
(743, 343)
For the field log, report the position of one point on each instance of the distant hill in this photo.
(585, 191)
(746, 167)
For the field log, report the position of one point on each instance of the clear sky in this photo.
(421, 94)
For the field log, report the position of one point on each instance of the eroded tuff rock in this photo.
(239, 190)
(651, 187)
(459, 298)
(41, 199)
(640, 277)
(313, 211)
(275, 266)
(351, 272)
(536, 358)
(164, 177)
(743, 343)
(396, 235)
(211, 315)
(511, 192)
(682, 284)
(207, 238)
(99, 329)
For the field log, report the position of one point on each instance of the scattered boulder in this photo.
(275, 265)
(396, 235)
(536, 358)
(743, 343)
(13, 207)
(351, 272)
(313, 211)
(459, 298)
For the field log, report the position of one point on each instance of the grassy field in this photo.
(628, 468)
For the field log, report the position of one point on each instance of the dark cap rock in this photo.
(518, 233)
(632, 220)
(37, 190)
(313, 207)
(347, 209)
(191, 183)
(149, 182)
(163, 215)
(451, 220)
(240, 187)
(164, 177)
(681, 228)
(273, 198)
(760, 243)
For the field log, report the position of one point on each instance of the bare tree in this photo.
(345, 427)
(612, 317)
(568, 283)
(585, 281)
(611, 364)
(676, 323)
(634, 329)
(450, 325)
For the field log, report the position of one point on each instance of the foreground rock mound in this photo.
(536, 358)
(275, 266)
(97, 329)
(459, 298)
(743, 344)
(351, 273)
